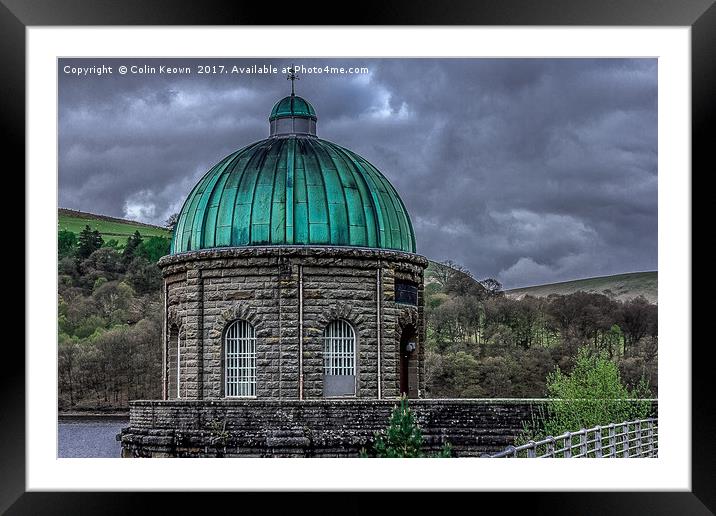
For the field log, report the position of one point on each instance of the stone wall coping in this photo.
(294, 251)
(352, 401)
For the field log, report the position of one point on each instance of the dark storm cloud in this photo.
(530, 171)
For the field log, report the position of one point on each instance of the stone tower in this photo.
(293, 275)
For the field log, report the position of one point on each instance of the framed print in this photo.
(283, 249)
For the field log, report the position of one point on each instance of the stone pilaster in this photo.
(422, 334)
(287, 301)
(390, 345)
(192, 355)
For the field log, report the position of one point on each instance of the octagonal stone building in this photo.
(293, 276)
(293, 313)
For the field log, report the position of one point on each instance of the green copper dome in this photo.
(292, 106)
(293, 189)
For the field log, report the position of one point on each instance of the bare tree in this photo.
(492, 287)
(447, 270)
(171, 222)
(635, 319)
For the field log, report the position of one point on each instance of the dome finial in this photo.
(292, 77)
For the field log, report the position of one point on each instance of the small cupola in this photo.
(292, 115)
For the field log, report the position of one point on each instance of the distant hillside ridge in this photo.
(431, 273)
(620, 286)
(111, 227)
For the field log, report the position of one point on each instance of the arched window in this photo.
(240, 359)
(339, 359)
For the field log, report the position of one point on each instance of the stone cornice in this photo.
(298, 251)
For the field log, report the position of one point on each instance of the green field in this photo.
(109, 227)
(621, 286)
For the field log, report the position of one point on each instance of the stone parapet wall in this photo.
(316, 428)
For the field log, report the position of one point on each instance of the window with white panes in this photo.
(240, 360)
(339, 359)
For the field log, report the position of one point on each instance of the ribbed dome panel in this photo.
(294, 190)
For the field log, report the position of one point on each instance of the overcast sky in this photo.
(528, 170)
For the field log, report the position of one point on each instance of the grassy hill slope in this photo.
(109, 227)
(622, 286)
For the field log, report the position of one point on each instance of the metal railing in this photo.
(628, 439)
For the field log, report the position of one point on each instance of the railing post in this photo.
(625, 440)
(598, 442)
(531, 450)
(638, 438)
(567, 445)
(651, 437)
(583, 442)
(551, 445)
(612, 442)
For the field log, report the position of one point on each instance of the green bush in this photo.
(403, 437)
(153, 248)
(144, 276)
(66, 243)
(592, 394)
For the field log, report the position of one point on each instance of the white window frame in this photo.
(240, 360)
(339, 359)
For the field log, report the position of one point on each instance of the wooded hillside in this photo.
(481, 342)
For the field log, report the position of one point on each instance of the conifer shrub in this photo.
(403, 437)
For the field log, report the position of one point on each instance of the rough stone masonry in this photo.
(289, 294)
(317, 428)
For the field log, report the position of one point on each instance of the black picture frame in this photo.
(699, 15)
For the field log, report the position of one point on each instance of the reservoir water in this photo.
(89, 436)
